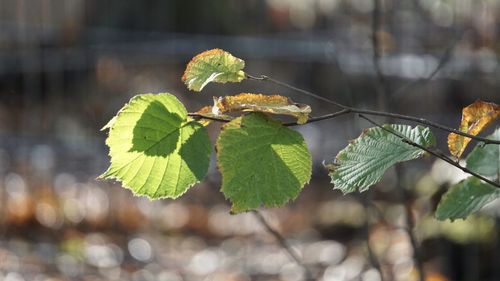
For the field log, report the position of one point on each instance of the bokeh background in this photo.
(67, 66)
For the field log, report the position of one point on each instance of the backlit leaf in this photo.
(155, 150)
(274, 104)
(485, 159)
(464, 198)
(475, 118)
(262, 162)
(213, 65)
(363, 162)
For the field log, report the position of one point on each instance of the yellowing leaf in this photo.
(475, 118)
(214, 65)
(274, 104)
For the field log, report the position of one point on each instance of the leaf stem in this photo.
(434, 153)
(374, 112)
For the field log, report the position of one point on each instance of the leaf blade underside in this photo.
(363, 163)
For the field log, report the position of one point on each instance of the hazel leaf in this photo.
(475, 118)
(155, 150)
(214, 65)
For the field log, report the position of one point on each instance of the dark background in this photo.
(66, 67)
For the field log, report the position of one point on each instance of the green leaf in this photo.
(464, 198)
(213, 65)
(485, 159)
(155, 150)
(262, 162)
(363, 162)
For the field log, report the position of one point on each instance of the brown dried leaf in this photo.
(475, 118)
(274, 104)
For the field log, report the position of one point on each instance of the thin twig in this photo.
(198, 116)
(310, 120)
(374, 112)
(422, 81)
(322, 117)
(442, 62)
(382, 87)
(434, 153)
(282, 241)
(365, 201)
(410, 222)
(283, 84)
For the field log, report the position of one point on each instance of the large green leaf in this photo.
(485, 159)
(363, 162)
(262, 162)
(213, 66)
(155, 151)
(466, 197)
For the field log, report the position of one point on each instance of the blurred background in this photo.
(67, 66)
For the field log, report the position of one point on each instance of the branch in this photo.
(310, 120)
(348, 109)
(282, 241)
(374, 112)
(434, 153)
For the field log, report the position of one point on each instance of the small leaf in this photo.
(155, 151)
(363, 163)
(213, 65)
(485, 159)
(262, 162)
(475, 118)
(274, 104)
(465, 198)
